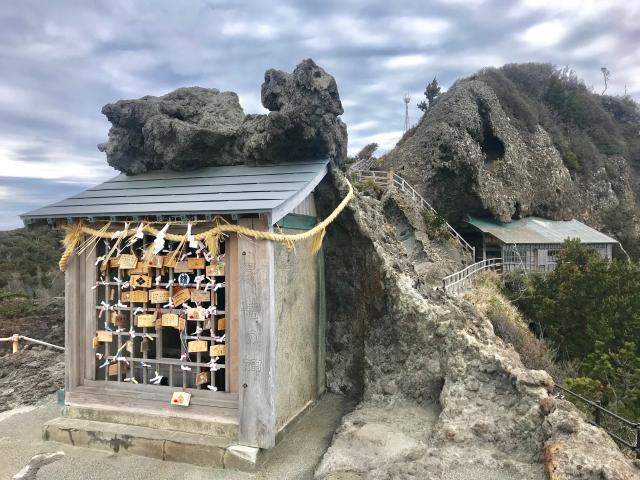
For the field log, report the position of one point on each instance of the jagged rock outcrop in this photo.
(524, 140)
(303, 123)
(441, 395)
(471, 159)
(184, 129)
(196, 127)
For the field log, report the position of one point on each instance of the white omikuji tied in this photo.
(158, 243)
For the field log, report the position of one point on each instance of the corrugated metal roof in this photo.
(276, 189)
(540, 230)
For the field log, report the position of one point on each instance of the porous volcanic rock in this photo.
(441, 396)
(187, 128)
(303, 121)
(468, 158)
(198, 127)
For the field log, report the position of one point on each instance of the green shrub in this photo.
(435, 225)
(589, 309)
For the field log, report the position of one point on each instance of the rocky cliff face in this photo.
(197, 127)
(526, 140)
(441, 395)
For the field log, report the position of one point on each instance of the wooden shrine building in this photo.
(531, 243)
(177, 335)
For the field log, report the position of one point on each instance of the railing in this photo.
(364, 164)
(598, 420)
(389, 179)
(459, 282)
(15, 340)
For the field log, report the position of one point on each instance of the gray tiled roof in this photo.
(540, 230)
(274, 189)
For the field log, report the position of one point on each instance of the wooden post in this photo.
(256, 332)
(390, 179)
(16, 342)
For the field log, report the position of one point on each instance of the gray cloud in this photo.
(63, 60)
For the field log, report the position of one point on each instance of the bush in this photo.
(435, 225)
(589, 309)
(13, 305)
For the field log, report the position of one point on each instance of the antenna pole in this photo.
(406, 99)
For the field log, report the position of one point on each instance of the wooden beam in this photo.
(71, 310)
(257, 415)
(231, 312)
(88, 296)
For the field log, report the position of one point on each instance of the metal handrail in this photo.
(384, 179)
(597, 421)
(461, 280)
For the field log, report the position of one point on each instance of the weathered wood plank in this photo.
(231, 311)
(161, 393)
(256, 338)
(71, 309)
(89, 315)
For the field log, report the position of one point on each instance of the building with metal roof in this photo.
(532, 243)
(274, 190)
(219, 334)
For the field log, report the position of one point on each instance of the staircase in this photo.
(388, 179)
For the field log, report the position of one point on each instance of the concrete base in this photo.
(170, 445)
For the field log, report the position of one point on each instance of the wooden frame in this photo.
(256, 332)
(80, 326)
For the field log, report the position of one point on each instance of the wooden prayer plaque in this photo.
(197, 346)
(126, 261)
(94, 342)
(146, 320)
(196, 314)
(200, 296)
(159, 295)
(202, 378)
(104, 336)
(140, 269)
(155, 262)
(136, 296)
(181, 296)
(114, 262)
(182, 324)
(195, 263)
(181, 399)
(169, 262)
(215, 270)
(182, 267)
(140, 281)
(217, 350)
(221, 323)
(169, 320)
(113, 368)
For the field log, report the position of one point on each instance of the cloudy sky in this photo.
(62, 60)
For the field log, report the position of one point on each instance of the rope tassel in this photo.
(316, 241)
(70, 242)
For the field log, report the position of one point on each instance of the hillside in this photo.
(29, 262)
(528, 139)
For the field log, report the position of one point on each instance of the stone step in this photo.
(170, 445)
(214, 425)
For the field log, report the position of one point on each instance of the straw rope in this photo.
(210, 237)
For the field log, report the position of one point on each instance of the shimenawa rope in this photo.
(210, 237)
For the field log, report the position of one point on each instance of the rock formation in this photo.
(196, 127)
(482, 150)
(441, 395)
